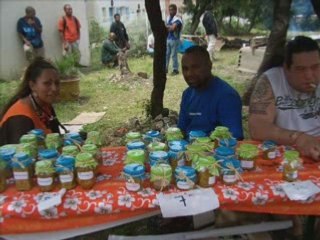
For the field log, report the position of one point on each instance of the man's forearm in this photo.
(262, 131)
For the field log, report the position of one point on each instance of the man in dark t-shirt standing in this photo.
(118, 28)
(29, 28)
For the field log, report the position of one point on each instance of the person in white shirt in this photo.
(285, 104)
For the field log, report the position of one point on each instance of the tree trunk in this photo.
(274, 53)
(159, 59)
(316, 7)
(199, 10)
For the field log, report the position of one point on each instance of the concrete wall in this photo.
(12, 59)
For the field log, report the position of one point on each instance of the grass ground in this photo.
(120, 102)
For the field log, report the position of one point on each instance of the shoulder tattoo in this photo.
(262, 96)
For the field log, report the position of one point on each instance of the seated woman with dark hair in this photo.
(31, 107)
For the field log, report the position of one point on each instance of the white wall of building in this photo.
(12, 59)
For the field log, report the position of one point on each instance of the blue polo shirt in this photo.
(217, 105)
(176, 34)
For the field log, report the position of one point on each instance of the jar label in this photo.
(272, 155)
(132, 186)
(212, 180)
(44, 181)
(181, 162)
(65, 178)
(247, 164)
(85, 175)
(21, 175)
(183, 185)
(229, 178)
(292, 175)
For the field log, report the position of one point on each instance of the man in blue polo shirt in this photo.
(208, 101)
(174, 26)
(29, 28)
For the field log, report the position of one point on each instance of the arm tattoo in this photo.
(262, 97)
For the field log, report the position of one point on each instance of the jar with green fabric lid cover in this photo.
(39, 133)
(248, 154)
(22, 171)
(206, 143)
(219, 133)
(208, 169)
(185, 177)
(135, 156)
(32, 140)
(85, 167)
(27, 148)
(3, 175)
(156, 146)
(291, 165)
(70, 150)
(161, 175)
(6, 155)
(192, 152)
(133, 137)
(135, 176)
(93, 149)
(173, 134)
(93, 137)
(65, 170)
(45, 173)
(54, 141)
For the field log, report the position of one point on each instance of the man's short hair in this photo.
(198, 50)
(117, 14)
(173, 6)
(298, 45)
(64, 6)
(29, 9)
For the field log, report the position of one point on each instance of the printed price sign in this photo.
(188, 203)
(300, 191)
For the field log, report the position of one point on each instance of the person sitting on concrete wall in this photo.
(150, 44)
(29, 28)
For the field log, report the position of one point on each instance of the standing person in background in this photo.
(211, 27)
(150, 44)
(29, 28)
(174, 27)
(119, 29)
(69, 28)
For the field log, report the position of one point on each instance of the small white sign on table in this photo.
(300, 191)
(188, 203)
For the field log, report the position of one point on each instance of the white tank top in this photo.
(295, 110)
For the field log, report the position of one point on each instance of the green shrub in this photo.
(67, 66)
(96, 33)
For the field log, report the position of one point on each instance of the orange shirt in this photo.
(21, 108)
(69, 29)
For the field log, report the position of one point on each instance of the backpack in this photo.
(65, 23)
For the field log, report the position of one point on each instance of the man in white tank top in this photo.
(285, 104)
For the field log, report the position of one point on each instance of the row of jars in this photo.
(68, 170)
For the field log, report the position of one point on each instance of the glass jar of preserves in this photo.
(173, 133)
(230, 171)
(269, 149)
(195, 134)
(22, 171)
(248, 154)
(65, 170)
(135, 176)
(54, 141)
(161, 175)
(176, 156)
(223, 153)
(185, 177)
(291, 165)
(208, 169)
(158, 157)
(45, 173)
(86, 166)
